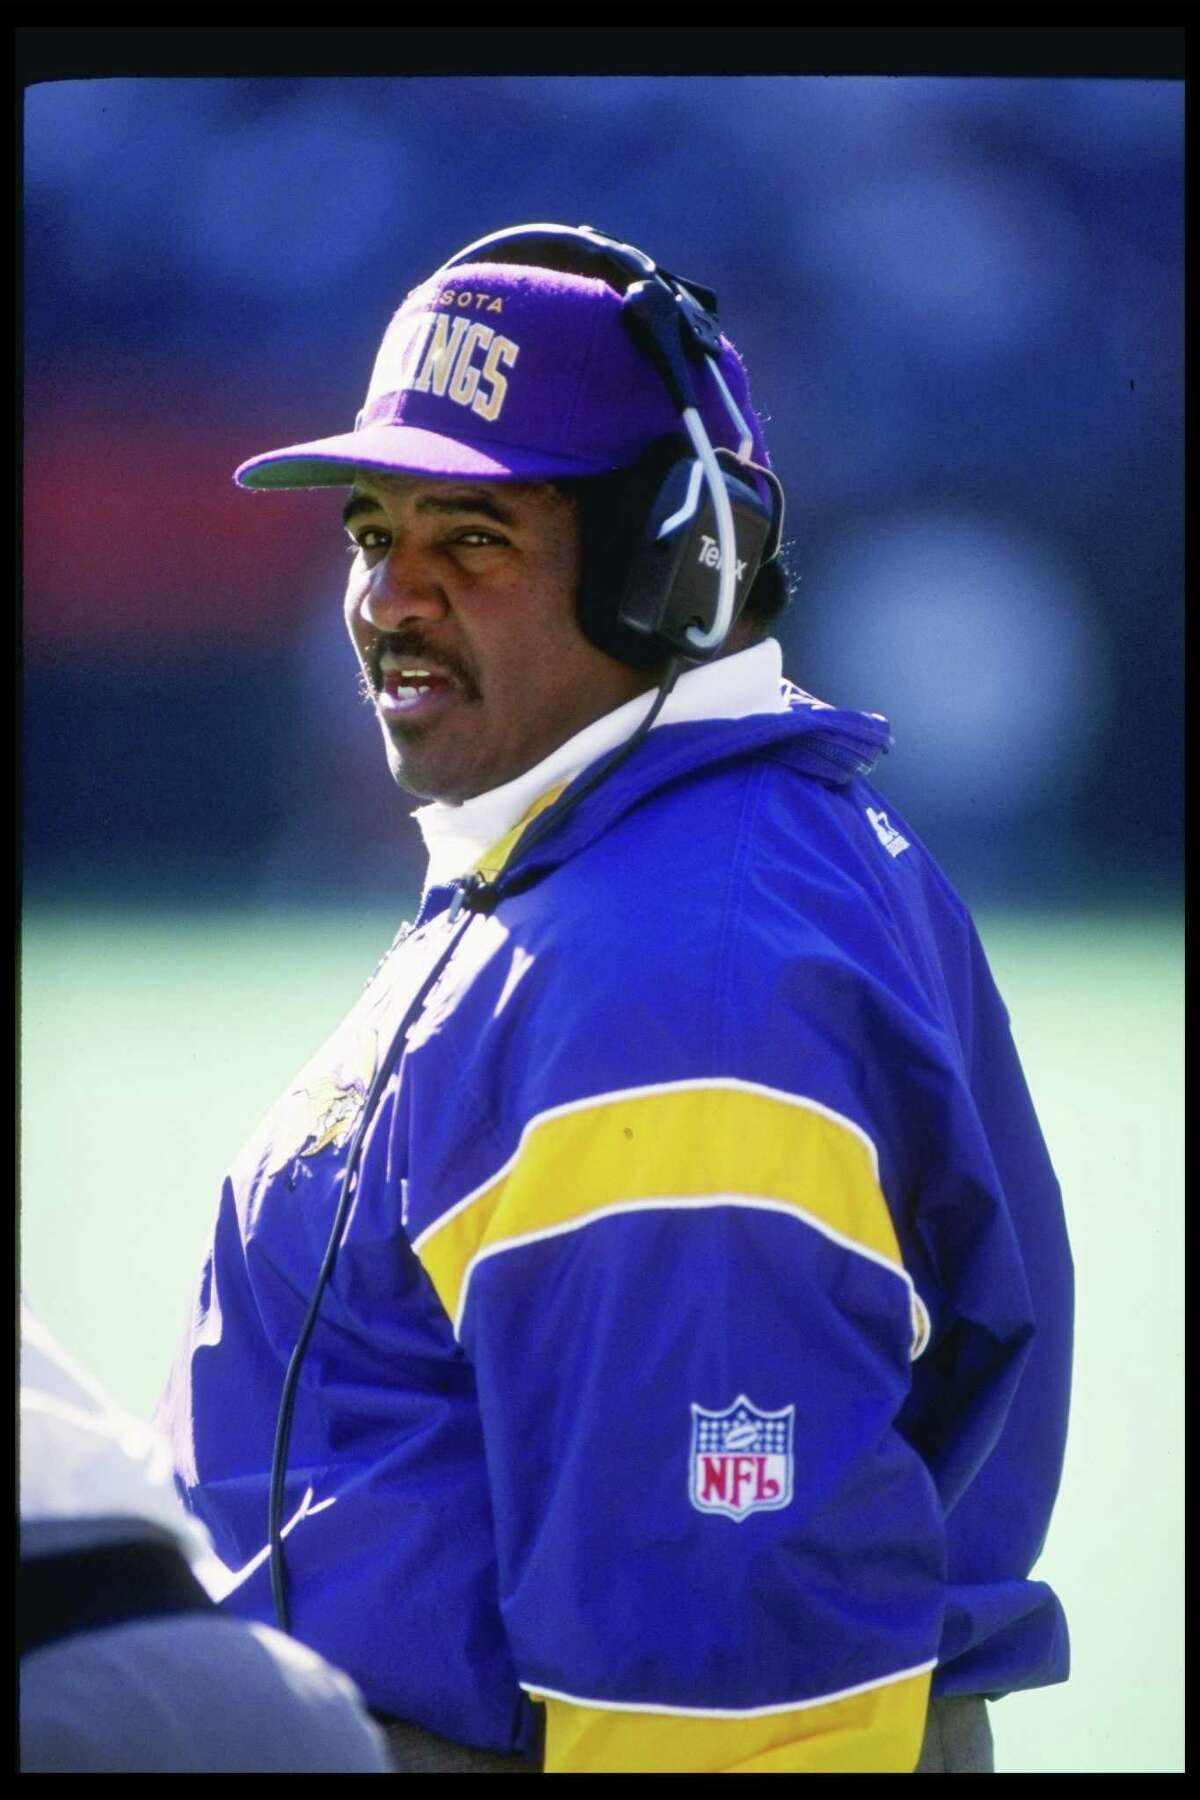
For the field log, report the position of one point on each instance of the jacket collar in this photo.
(479, 833)
(817, 740)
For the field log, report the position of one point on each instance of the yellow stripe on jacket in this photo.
(724, 1142)
(876, 1732)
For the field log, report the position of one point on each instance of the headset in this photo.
(678, 603)
(709, 528)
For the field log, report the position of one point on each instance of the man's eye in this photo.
(476, 537)
(371, 537)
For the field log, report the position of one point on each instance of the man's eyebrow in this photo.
(460, 500)
(469, 500)
(356, 505)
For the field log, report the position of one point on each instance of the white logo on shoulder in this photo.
(741, 1459)
(886, 832)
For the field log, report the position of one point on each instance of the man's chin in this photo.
(423, 783)
(421, 758)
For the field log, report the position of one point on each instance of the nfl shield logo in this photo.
(741, 1459)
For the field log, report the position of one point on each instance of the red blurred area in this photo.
(134, 533)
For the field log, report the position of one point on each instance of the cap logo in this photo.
(467, 297)
(455, 358)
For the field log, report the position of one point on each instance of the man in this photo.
(689, 1380)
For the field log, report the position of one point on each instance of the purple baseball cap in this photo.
(500, 372)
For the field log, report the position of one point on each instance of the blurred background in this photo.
(960, 302)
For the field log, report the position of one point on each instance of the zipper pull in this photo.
(473, 891)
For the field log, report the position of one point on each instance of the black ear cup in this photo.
(643, 586)
(671, 586)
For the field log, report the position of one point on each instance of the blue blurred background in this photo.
(960, 302)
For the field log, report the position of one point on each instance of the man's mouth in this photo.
(411, 687)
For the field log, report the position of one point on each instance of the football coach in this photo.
(640, 1339)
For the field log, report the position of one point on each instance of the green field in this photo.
(151, 1044)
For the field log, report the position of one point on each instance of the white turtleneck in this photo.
(732, 687)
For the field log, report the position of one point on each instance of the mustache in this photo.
(417, 648)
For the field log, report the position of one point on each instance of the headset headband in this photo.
(609, 255)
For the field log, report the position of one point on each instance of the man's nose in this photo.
(401, 586)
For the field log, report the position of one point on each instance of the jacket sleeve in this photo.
(692, 1332)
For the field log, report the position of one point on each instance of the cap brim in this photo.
(404, 450)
